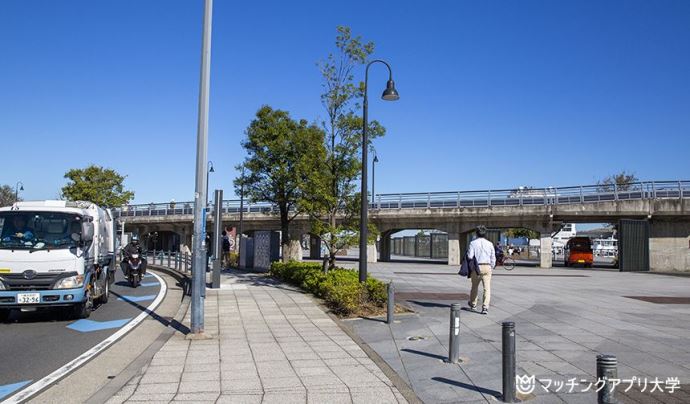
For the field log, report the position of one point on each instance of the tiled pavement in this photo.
(564, 318)
(271, 343)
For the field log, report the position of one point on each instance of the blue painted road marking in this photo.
(90, 325)
(137, 298)
(148, 284)
(8, 389)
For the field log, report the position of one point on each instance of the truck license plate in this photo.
(28, 298)
(580, 261)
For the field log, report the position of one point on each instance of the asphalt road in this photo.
(34, 344)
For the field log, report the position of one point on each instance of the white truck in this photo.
(55, 254)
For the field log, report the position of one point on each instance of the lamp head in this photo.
(390, 93)
(21, 188)
(376, 159)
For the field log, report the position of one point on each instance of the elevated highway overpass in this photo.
(662, 205)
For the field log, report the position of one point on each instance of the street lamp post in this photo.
(239, 242)
(389, 94)
(373, 177)
(17, 188)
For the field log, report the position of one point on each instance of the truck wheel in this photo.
(83, 310)
(4, 315)
(106, 293)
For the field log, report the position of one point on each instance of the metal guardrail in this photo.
(181, 262)
(461, 199)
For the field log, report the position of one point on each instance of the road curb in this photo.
(137, 365)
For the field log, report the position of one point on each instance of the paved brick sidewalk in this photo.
(272, 344)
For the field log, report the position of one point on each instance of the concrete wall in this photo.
(669, 245)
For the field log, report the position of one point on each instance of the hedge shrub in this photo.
(340, 287)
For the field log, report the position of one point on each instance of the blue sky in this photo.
(493, 94)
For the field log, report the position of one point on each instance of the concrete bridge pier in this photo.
(372, 254)
(545, 250)
(314, 247)
(385, 246)
(669, 245)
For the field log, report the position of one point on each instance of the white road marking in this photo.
(39, 385)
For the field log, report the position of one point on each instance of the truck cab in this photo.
(55, 254)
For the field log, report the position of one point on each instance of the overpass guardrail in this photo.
(459, 199)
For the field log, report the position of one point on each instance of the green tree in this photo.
(623, 181)
(522, 232)
(102, 186)
(282, 165)
(7, 195)
(335, 208)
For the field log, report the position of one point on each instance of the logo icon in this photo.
(29, 274)
(524, 384)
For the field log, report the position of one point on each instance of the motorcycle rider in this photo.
(133, 247)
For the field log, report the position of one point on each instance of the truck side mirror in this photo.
(86, 232)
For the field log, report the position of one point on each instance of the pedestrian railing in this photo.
(523, 196)
(181, 262)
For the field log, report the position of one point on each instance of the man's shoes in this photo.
(473, 307)
(485, 310)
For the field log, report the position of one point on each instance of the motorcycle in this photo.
(134, 267)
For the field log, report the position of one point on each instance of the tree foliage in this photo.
(7, 195)
(102, 186)
(335, 208)
(622, 180)
(522, 232)
(283, 164)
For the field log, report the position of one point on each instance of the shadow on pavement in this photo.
(166, 322)
(429, 304)
(430, 355)
(468, 386)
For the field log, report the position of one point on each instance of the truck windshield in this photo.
(39, 230)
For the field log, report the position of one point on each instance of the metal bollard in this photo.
(186, 262)
(508, 362)
(390, 312)
(607, 369)
(454, 342)
(169, 258)
(153, 258)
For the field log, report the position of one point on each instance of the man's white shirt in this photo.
(483, 250)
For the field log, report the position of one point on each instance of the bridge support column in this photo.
(454, 250)
(385, 246)
(545, 252)
(314, 247)
(372, 253)
(669, 245)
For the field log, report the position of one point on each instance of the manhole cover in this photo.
(415, 338)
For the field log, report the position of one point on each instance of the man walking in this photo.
(483, 250)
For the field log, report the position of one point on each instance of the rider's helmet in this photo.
(135, 238)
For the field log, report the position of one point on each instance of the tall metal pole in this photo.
(364, 198)
(363, 190)
(217, 229)
(200, 197)
(373, 178)
(239, 242)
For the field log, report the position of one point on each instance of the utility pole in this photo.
(200, 197)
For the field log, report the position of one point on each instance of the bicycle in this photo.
(507, 263)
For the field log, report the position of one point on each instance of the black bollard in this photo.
(454, 341)
(508, 362)
(390, 312)
(607, 369)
